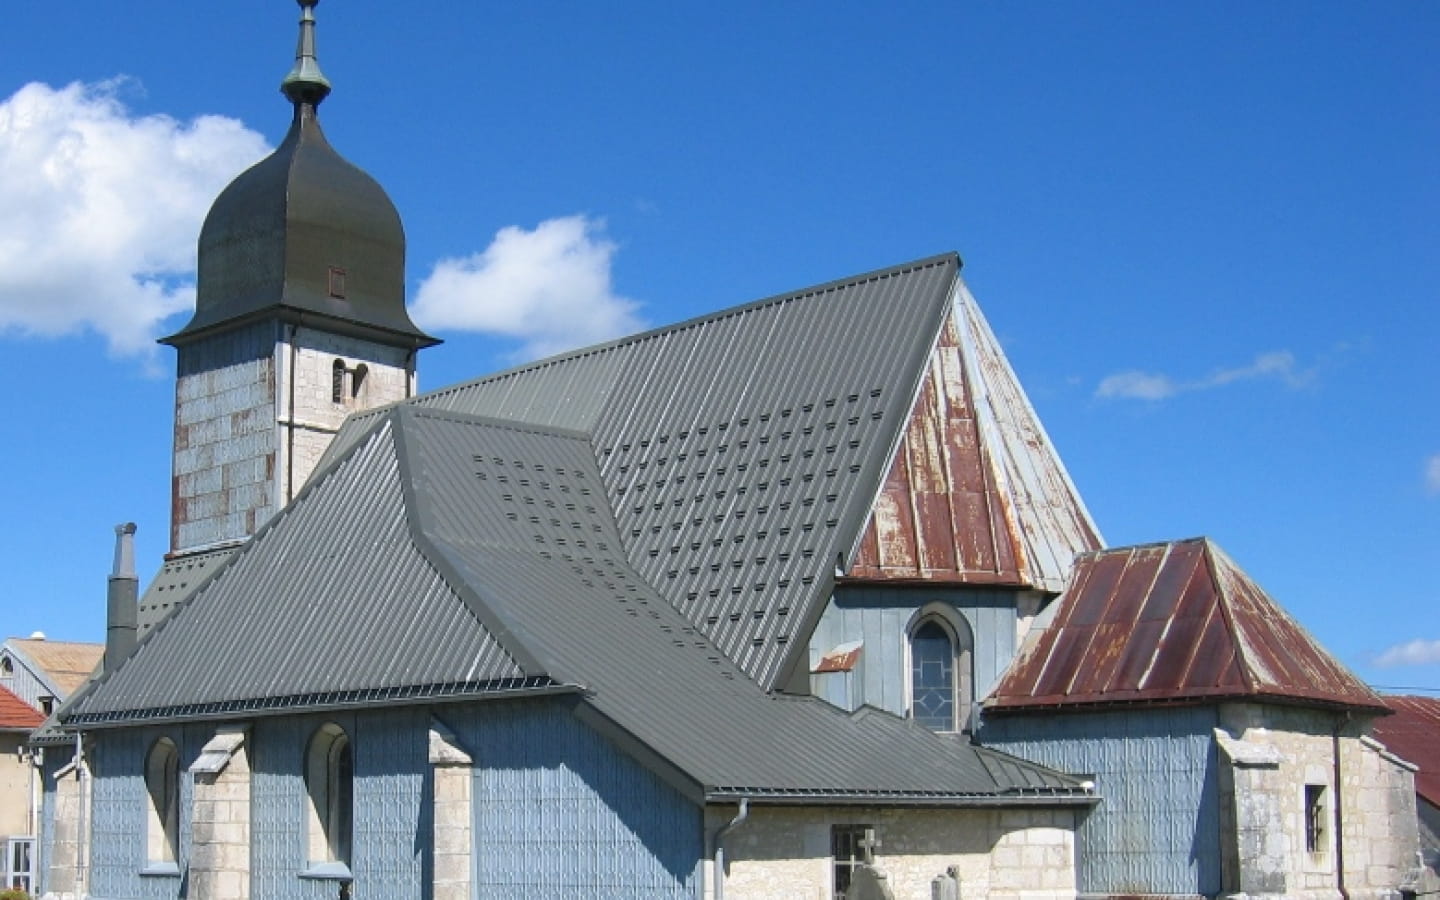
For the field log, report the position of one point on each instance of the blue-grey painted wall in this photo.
(119, 828)
(560, 812)
(1157, 828)
(393, 827)
(880, 616)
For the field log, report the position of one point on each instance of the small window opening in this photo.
(1316, 835)
(329, 782)
(47, 705)
(337, 282)
(7, 668)
(851, 846)
(337, 381)
(162, 785)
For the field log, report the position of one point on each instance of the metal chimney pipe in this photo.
(122, 599)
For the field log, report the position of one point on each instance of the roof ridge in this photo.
(695, 321)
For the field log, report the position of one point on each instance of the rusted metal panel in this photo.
(940, 515)
(1170, 622)
(1413, 734)
(842, 658)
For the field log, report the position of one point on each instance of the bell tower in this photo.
(299, 320)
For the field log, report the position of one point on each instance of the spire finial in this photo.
(306, 83)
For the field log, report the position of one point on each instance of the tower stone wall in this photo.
(255, 409)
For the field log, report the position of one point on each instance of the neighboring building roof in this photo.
(1170, 622)
(16, 714)
(646, 525)
(65, 665)
(1413, 734)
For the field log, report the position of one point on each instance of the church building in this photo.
(732, 607)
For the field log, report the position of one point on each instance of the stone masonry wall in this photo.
(784, 852)
(317, 417)
(237, 439)
(220, 846)
(1265, 805)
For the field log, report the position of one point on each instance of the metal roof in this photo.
(741, 451)
(1166, 622)
(1413, 734)
(304, 234)
(655, 535)
(330, 602)
(177, 578)
(976, 493)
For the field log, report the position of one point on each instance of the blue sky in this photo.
(1205, 233)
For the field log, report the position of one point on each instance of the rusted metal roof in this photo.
(1175, 621)
(16, 714)
(1413, 734)
(976, 493)
(65, 664)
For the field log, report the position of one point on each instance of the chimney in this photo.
(123, 599)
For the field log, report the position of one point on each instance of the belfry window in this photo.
(941, 692)
(329, 783)
(162, 787)
(337, 381)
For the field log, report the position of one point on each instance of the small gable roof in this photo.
(1413, 734)
(1175, 621)
(64, 665)
(16, 714)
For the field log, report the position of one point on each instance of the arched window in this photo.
(941, 680)
(337, 381)
(162, 784)
(329, 781)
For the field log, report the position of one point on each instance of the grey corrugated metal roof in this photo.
(519, 513)
(331, 600)
(516, 522)
(177, 578)
(741, 450)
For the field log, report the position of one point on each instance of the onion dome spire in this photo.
(304, 236)
(306, 83)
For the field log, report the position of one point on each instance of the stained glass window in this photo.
(932, 677)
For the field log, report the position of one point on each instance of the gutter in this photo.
(1339, 807)
(740, 816)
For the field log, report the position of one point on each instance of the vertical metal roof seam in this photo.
(1227, 615)
(1141, 683)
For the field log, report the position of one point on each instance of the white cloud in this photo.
(1279, 365)
(1140, 385)
(102, 209)
(549, 288)
(1414, 653)
(1432, 474)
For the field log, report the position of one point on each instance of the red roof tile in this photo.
(1413, 734)
(16, 714)
(1170, 622)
